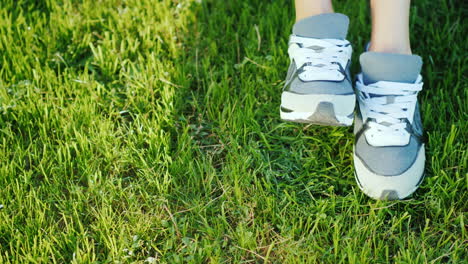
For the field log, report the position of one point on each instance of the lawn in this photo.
(139, 131)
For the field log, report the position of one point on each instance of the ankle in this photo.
(390, 48)
(306, 8)
(302, 15)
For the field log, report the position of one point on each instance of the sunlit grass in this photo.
(148, 131)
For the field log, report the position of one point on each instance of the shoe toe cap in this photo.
(388, 160)
(393, 187)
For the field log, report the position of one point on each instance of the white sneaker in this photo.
(389, 152)
(318, 87)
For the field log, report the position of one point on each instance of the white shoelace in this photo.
(388, 103)
(320, 56)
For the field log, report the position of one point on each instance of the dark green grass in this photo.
(148, 131)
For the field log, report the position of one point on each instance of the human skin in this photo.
(390, 22)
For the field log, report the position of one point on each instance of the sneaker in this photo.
(388, 152)
(318, 88)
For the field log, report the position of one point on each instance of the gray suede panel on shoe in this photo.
(295, 85)
(390, 67)
(291, 71)
(385, 161)
(417, 121)
(323, 26)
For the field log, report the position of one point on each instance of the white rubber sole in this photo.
(322, 109)
(390, 187)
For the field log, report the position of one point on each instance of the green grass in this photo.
(139, 130)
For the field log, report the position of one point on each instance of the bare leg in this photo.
(390, 26)
(307, 8)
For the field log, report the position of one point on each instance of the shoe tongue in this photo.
(390, 67)
(323, 26)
